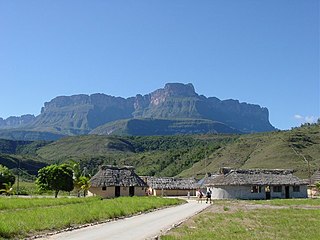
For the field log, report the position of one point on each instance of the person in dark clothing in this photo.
(208, 196)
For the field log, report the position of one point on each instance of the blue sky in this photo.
(261, 52)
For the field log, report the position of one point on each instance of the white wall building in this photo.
(256, 184)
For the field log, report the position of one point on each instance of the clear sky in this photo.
(263, 52)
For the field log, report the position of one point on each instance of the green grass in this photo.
(266, 223)
(14, 203)
(25, 188)
(289, 202)
(53, 214)
(257, 224)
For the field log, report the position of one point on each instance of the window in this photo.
(296, 188)
(104, 188)
(255, 189)
(277, 189)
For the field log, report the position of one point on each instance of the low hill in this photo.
(84, 146)
(28, 165)
(153, 155)
(21, 147)
(182, 155)
(284, 149)
(153, 127)
(30, 135)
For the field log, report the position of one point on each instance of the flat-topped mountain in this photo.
(21, 121)
(81, 114)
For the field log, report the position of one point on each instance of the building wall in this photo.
(302, 194)
(110, 191)
(173, 192)
(235, 192)
(244, 192)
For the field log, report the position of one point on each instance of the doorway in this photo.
(117, 191)
(268, 192)
(131, 191)
(287, 191)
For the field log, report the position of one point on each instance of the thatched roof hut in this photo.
(170, 186)
(258, 177)
(206, 179)
(109, 175)
(171, 183)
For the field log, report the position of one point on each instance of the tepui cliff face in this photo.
(80, 114)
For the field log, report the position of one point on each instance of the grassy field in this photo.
(290, 219)
(290, 202)
(23, 217)
(14, 203)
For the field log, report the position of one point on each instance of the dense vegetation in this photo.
(156, 155)
(22, 217)
(6, 177)
(56, 178)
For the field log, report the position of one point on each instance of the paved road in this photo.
(138, 227)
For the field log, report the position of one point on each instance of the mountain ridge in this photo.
(81, 113)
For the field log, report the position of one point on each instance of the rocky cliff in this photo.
(15, 122)
(80, 114)
(181, 101)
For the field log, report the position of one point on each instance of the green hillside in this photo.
(156, 155)
(285, 149)
(28, 165)
(182, 155)
(30, 135)
(158, 127)
(84, 146)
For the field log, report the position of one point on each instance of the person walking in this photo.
(208, 196)
(199, 195)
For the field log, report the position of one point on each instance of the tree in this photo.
(76, 176)
(6, 177)
(56, 178)
(80, 180)
(8, 190)
(85, 184)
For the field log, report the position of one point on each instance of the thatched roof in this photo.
(260, 177)
(171, 183)
(208, 178)
(315, 178)
(116, 176)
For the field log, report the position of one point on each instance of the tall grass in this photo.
(23, 222)
(19, 203)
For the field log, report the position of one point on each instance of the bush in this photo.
(6, 177)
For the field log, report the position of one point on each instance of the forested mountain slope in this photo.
(283, 149)
(182, 155)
